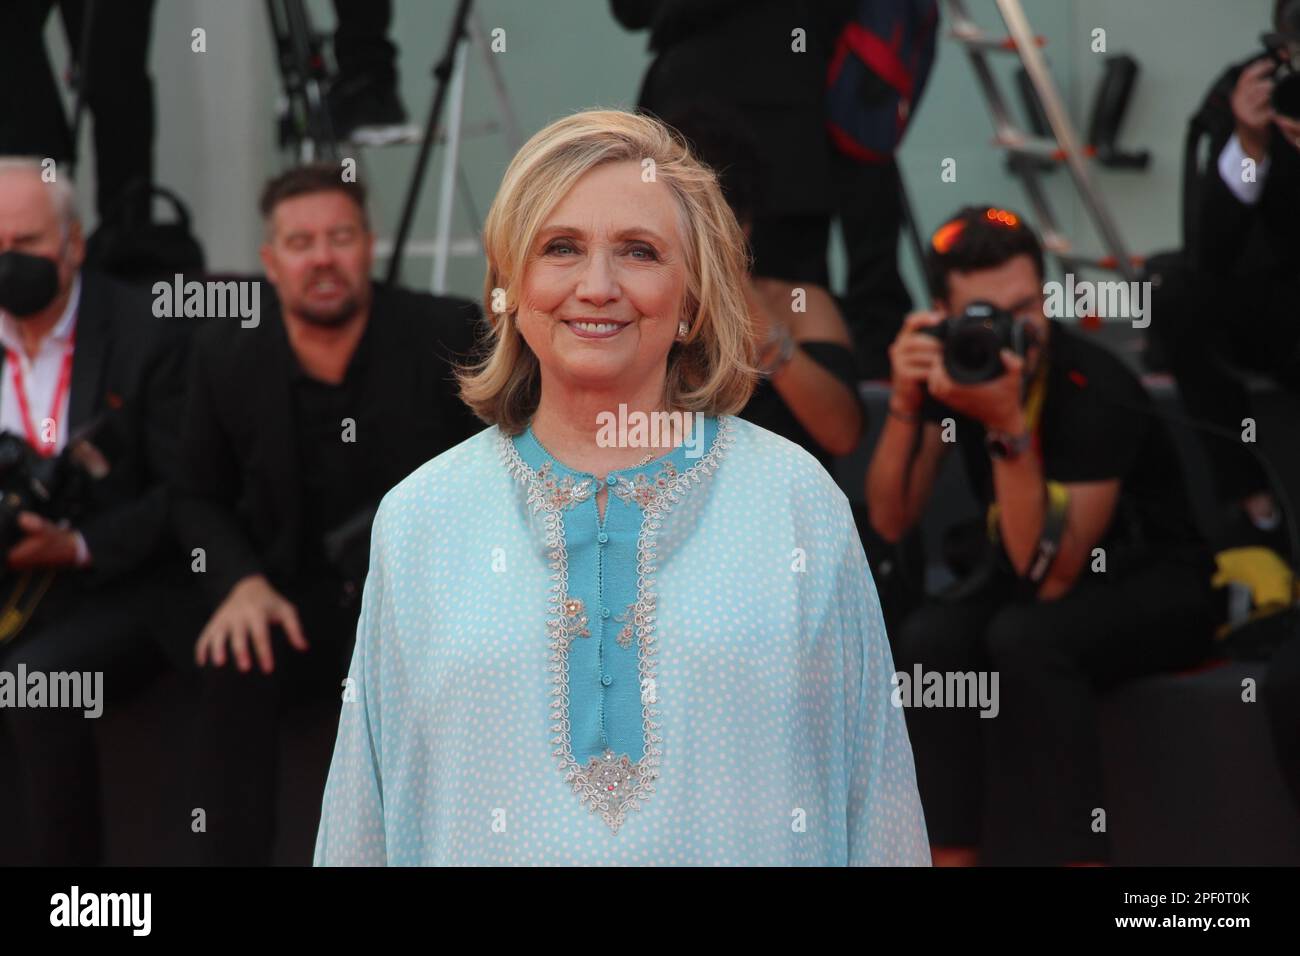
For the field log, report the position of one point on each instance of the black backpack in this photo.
(130, 246)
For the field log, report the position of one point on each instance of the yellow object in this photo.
(1058, 502)
(1262, 570)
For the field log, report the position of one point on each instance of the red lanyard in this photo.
(43, 448)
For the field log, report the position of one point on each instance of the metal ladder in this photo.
(443, 245)
(306, 132)
(1064, 147)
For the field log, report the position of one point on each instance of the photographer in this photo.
(1236, 302)
(808, 389)
(1091, 573)
(295, 428)
(92, 382)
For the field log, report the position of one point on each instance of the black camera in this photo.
(54, 487)
(973, 342)
(1284, 50)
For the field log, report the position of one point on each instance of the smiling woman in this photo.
(709, 675)
(645, 241)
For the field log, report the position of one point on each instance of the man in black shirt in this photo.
(1093, 573)
(1236, 304)
(295, 429)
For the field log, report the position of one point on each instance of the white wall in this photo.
(216, 135)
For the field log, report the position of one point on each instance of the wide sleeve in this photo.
(352, 811)
(886, 825)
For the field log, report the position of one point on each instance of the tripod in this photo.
(305, 126)
(449, 74)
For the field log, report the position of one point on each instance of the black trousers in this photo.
(122, 631)
(869, 207)
(361, 44)
(1207, 323)
(236, 740)
(1023, 785)
(119, 92)
(1280, 696)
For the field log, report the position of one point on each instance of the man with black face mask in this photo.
(294, 430)
(82, 357)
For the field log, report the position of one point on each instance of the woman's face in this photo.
(604, 283)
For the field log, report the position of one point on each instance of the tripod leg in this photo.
(308, 66)
(442, 72)
(450, 160)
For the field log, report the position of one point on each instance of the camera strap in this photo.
(1049, 539)
(1037, 395)
(1058, 496)
(21, 603)
(61, 387)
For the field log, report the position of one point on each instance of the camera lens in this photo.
(973, 353)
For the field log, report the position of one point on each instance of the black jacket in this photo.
(1230, 237)
(239, 493)
(127, 382)
(738, 53)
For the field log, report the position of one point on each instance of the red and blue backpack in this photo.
(878, 69)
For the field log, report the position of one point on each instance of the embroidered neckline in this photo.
(654, 471)
(612, 785)
(561, 492)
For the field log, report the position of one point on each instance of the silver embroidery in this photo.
(560, 493)
(644, 490)
(627, 619)
(611, 785)
(573, 608)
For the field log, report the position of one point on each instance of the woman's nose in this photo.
(598, 282)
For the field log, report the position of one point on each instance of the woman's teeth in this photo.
(597, 328)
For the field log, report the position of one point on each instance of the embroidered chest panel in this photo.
(611, 784)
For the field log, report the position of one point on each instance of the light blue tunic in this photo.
(733, 707)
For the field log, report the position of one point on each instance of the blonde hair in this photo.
(712, 371)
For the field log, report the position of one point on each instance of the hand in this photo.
(46, 545)
(1251, 109)
(246, 616)
(995, 404)
(913, 356)
(1290, 129)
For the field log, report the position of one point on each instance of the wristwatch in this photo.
(1005, 446)
(784, 354)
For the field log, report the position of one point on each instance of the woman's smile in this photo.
(595, 328)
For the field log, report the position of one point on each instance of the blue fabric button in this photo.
(607, 680)
(612, 479)
(602, 537)
(604, 612)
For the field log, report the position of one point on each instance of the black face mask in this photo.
(27, 283)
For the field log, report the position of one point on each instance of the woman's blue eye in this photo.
(644, 252)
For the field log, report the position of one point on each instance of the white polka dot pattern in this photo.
(781, 746)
